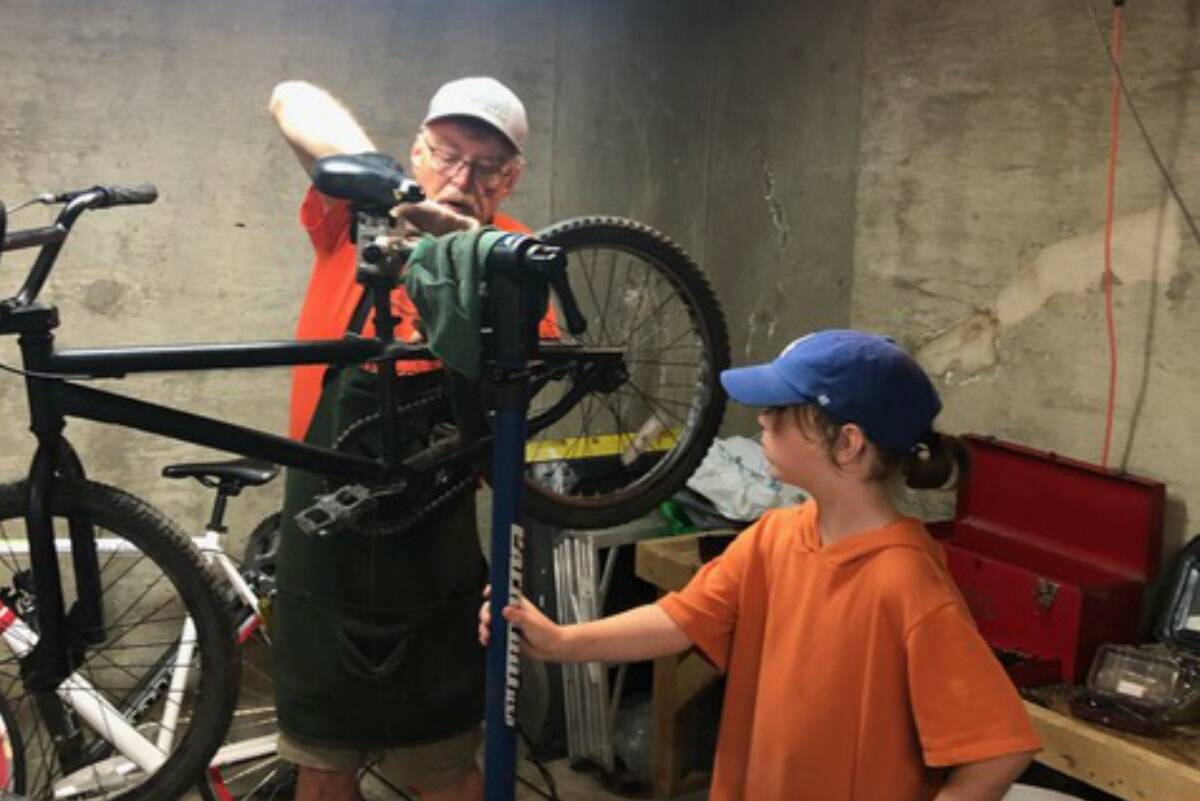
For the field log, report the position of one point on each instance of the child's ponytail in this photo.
(939, 461)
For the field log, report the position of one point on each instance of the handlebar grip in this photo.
(126, 195)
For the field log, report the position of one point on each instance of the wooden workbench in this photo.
(1130, 767)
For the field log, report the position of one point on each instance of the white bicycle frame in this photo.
(135, 752)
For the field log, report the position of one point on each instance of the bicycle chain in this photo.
(451, 491)
(420, 401)
(398, 525)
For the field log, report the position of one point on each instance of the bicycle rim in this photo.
(627, 446)
(151, 581)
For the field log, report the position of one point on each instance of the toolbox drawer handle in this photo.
(1044, 593)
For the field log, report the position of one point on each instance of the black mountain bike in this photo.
(103, 600)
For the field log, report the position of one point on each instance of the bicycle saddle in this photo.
(373, 180)
(234, 474)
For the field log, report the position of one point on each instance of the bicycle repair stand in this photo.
(516, 304)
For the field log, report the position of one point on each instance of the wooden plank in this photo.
(669, 562)
(1130, 767)
(678, 679)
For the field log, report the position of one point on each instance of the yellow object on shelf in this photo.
(550, 450)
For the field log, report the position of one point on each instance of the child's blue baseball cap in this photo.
(853, 376)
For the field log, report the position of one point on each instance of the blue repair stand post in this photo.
(512, 267)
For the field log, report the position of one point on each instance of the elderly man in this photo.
(374, 656)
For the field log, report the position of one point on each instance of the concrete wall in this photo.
(934, 170)
(686, 115)
(980, 224)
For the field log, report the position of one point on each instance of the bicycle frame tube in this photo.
(119, 362)
(107, 407)
(52, 400)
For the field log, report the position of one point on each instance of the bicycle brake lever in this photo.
(45, 198)
(552, 261)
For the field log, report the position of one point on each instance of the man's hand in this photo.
(431, 217)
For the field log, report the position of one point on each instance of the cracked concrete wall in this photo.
(980, 224)
(733, 130)
(175, 93)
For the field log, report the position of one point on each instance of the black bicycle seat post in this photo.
(377, 272)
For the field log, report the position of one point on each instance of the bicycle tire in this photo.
(262, 545)
(161, 576)
(642, 292)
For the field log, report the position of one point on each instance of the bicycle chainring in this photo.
(391, 516)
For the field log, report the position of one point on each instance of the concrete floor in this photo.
(572, 785)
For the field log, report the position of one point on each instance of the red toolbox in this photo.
(1052, 555)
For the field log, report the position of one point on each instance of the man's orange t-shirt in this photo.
(333, 295)
(854, 670)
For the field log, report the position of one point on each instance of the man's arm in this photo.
(315, 124)
(986, 780)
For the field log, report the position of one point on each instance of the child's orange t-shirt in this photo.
(854, 670)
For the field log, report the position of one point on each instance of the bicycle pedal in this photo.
(335, 511)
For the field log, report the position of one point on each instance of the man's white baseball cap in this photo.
(484, 99)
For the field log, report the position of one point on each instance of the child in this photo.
(853, 668)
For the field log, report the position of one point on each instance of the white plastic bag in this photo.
(734, 477)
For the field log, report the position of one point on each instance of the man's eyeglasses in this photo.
(487, 173)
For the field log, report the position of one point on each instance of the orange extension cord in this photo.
(1110, 192)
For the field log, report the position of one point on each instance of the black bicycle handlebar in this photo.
(77, 201)
(51, 238)
(124, 195)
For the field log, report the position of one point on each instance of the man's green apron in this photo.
(374, 637)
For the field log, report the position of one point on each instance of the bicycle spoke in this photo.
(642, 292)
(658, 405)
(660, 348)
(652, 317)
(605, 310)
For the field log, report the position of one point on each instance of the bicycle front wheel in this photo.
(140, 692)
(633, 438)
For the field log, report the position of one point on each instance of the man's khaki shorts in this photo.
(423, 766)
